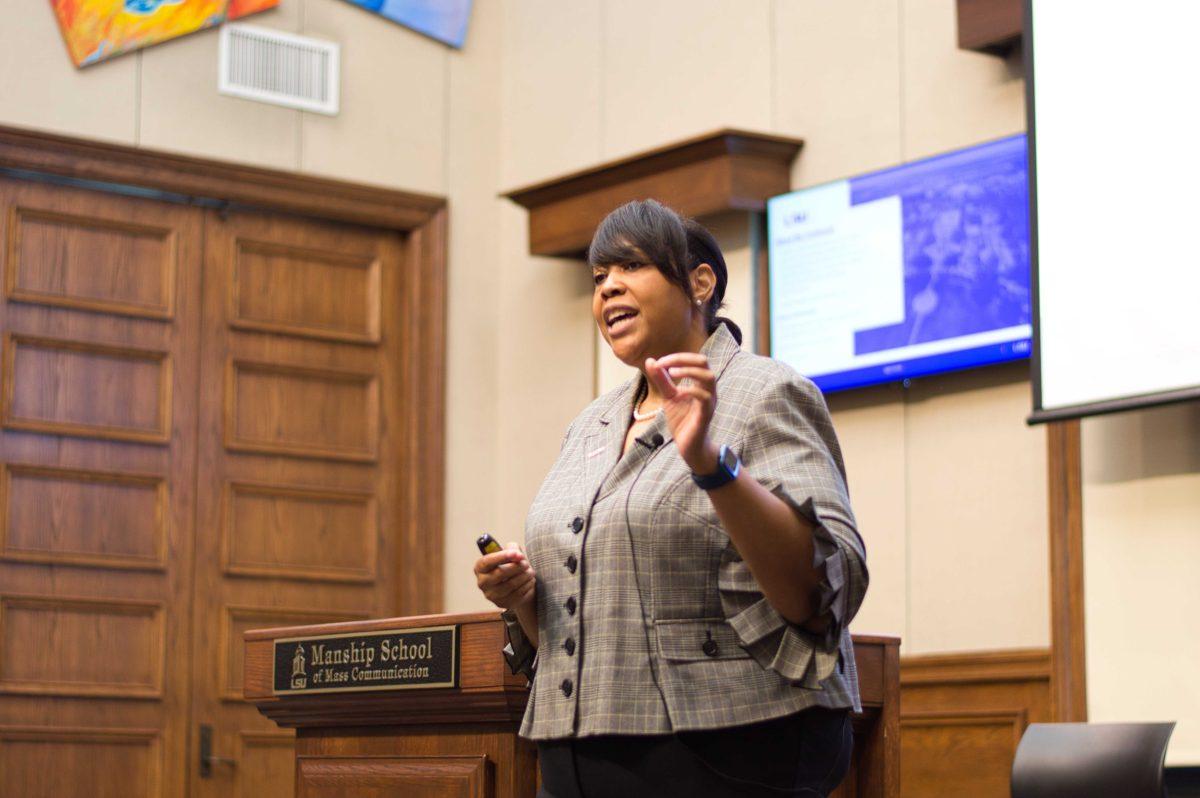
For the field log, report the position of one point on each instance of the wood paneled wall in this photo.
(962, 716)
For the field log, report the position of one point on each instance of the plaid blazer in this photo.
(649, 621)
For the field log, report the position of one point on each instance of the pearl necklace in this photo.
(643, 416)
(640, 417)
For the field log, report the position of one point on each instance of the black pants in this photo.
(806, 754)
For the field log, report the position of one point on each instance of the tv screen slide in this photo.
(904, 272)
(1115, 153)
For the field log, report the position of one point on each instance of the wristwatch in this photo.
(728, 468)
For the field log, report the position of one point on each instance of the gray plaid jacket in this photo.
(648, 618)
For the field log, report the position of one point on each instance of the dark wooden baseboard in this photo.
(962, 716)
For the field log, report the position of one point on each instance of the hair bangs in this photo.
(610, 246)
(642, 231)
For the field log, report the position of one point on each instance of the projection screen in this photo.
(1114, 150)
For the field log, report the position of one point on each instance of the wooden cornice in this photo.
(202, 179)
(721, 171)
(989, 26)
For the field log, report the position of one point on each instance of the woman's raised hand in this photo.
(506, 578)
(689, 391)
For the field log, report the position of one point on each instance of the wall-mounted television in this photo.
(904, 272)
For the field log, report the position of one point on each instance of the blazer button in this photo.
(569, 645)
(710, 647)
(577, 525)
(566, 687)
(572, 563)
(570, 605)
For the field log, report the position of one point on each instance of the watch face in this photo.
(729, 460)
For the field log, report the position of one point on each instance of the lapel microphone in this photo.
(653, 443)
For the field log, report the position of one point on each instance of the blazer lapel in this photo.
(602, 447)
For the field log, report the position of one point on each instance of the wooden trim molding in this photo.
(975, 667)
(232, 563)
(1068, 654)
(721, 171)
(40, 670)
(419, 556)
(422, 218)
(762, 286)
(989, 26)
(52, 551)
(163, 309)
(364, 451)
(1014, 719)
(369, 334)
(439, 773)
(158, 432)
(73, 744)
(229, 184)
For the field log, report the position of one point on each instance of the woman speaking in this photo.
(693, 562)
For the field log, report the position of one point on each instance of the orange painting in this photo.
(240, 8)
(95, 30)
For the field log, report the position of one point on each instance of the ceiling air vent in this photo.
(279, 68)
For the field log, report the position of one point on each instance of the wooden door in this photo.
(300, 439)
(98, 415)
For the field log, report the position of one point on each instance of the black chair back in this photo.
(1087, 760)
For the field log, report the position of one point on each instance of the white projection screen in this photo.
(1114, 149)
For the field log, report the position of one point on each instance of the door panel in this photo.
(299, 446)
(200, 433)
(100, 321)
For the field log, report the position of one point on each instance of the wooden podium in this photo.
(425, 707)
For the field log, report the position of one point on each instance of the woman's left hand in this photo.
(689, 391)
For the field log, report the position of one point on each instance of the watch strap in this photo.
(724, 474)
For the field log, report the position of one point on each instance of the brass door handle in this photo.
(207, 760)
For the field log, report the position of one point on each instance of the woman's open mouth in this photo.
(619, 321)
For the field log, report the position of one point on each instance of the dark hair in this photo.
(646, 231)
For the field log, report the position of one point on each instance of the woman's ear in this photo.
(704, 282)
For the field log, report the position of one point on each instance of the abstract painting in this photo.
(95, 30)
(241, 8)
(444, 20)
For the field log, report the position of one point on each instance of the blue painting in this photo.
(444, 20)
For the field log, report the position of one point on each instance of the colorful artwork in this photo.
(96, 30)
(444, 20)
(242, 8)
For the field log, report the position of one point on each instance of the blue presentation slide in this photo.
(904, 272)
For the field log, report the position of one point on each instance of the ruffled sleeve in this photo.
(519, 652)
(791, 449)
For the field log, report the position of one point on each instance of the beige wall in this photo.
(943, 475)
(1141, 522)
